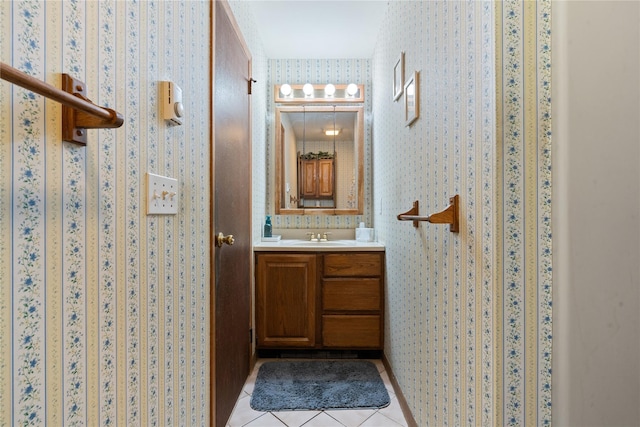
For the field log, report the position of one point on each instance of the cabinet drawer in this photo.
(351, 294)
(352, 264)
(351, 331)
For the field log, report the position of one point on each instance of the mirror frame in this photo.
(359, 150)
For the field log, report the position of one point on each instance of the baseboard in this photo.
(318, 354)
(408, 416)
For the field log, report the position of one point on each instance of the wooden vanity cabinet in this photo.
(286, 300)
(331, 300)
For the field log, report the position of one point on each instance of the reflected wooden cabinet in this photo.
(320, 300)
(317, 179)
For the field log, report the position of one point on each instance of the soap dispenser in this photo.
(267, 227)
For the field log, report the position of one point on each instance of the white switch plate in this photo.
(162, 195)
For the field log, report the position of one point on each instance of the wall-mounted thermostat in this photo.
(171, 107)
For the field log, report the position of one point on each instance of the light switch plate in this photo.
(162, 195)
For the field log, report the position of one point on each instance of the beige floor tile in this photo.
(295, 418)
(387, 383)
(351, 418)
(322, 420)
(379, 420)
(242, 413)
(394, 411)
(266, 420)
(250, 384)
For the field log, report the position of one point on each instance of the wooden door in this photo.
(286, 300)
(232, 215)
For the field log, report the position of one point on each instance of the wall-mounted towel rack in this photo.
(78, 112)
(447, 216)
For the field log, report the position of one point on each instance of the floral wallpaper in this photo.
(104, 310)
(468, 315)
(524, 182)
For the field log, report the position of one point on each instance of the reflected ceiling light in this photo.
(332, 132)
(286, 89)
(352, 89)
(330, 90)
(308, 89)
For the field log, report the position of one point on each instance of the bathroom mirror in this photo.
(317, 171)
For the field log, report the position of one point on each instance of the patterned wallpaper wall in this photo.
(244, 18)
(319, 71)
(468, 326)
(104, 310)
(524, 279)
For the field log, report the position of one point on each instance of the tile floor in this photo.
(243, 415)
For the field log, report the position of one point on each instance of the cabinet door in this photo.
(325, 178)
(286, 300)
(309, 173)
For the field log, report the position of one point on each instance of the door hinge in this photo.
(250, 82)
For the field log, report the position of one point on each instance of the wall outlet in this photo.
(162, 195)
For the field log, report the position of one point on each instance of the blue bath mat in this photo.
(318, 385)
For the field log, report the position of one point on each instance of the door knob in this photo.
(222, 239)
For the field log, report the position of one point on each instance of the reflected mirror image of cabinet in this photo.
(317, 179)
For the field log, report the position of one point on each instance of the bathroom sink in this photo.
(303, 245)
(309, 243)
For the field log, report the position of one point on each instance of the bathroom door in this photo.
(232, 215)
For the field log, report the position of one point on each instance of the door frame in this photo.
(212, 186)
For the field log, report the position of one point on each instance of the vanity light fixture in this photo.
(352, 89)
(286, 90)
(308, 90)
(299, 93)
(329, 90)
(332, 132)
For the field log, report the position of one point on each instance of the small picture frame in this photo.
(411, 99)
(398, 77)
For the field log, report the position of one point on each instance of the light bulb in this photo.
(329, 90)
(286, 89)
(307, 89)
(352, 89)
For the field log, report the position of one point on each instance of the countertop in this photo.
(294, 245)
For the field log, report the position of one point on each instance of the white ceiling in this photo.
(318, 29)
